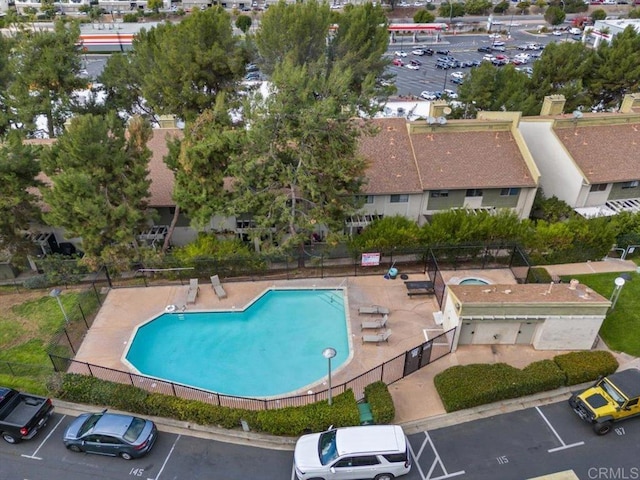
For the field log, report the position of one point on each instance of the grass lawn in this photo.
(621, 328)
(28, 322)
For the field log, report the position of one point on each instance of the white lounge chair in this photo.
(217, 287)
(377, 337)
(381, 323)
(374, 310)
(192, 293)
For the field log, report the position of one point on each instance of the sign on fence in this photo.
(370, 259)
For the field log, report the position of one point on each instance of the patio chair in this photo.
(192, 292)
(217, 287)
(381, 323)
(377, 337)
(374, 310)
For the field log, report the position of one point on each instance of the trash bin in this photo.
(393, 273)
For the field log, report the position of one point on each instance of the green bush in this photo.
(543, 375)
(130, 18)
(380, 401)
(467, 386)
(35, 282)
(291, 421)
(580, 367)
(538, 275)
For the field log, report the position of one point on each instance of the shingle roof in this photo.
(470, 159)
(162, 178)
(392, 167)
(400, 162)
(604, 153)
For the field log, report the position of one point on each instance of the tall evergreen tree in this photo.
(296, 32)
(617, 68)
(299, 168)
(180, 68)
(18, 203)
(45, 66)
(99, 181)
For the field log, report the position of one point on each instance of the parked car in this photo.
(412, 66)
(397, 62)
(22, 415)
(428, 51)
(450, 93)
(442, 65)
(415, 62)
(380, 451)
(457, 81)
(485, 49)
(111, 434)
(428, 95)
(418, 52)
(499, 48)
(497, 44)
(457, 75)
(399, 53)
(443, 52)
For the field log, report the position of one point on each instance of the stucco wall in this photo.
(567, 333)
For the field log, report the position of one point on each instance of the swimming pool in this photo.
(273, 347)
(473, 281)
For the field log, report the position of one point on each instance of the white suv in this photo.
(374, 451)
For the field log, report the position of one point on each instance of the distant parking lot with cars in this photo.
(455, 54)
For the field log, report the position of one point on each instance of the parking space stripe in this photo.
(436, 462)
(33, 455)
(164, 464)
(553, 430)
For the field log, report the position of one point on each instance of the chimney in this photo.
(436, 109)
(553, 105)
(629, 102)
(167, 121)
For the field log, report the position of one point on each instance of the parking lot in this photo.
(526, 444)
(513, 446)
(464, 48)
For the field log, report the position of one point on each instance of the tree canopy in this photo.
(99, 185)
(180, 68)
(18, 202)
(45, 67)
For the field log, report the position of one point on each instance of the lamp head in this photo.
(329, 353)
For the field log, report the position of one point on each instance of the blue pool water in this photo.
(473, 281)
(272, 348)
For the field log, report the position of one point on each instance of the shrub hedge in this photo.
(467, 386)
(291, 421)
(380, 402)
(583, 367)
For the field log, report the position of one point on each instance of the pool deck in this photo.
(410, 319)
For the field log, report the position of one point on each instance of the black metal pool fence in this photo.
(388, 372)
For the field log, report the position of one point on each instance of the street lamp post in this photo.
(446, 72)
(619, 283)
(55, 293)
(329, 353)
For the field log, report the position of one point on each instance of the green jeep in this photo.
(609, 400)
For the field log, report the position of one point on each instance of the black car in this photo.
(443, 52)
(485, 49)
(428, 51)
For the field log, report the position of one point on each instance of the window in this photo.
(439, 193)
(396, 457)
(473, 192)
(598, 187)
(365, 461)
(399, 198)
(632, 184)
(365, 198)
(509, 192)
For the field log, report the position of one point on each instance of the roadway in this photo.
(513, 446)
